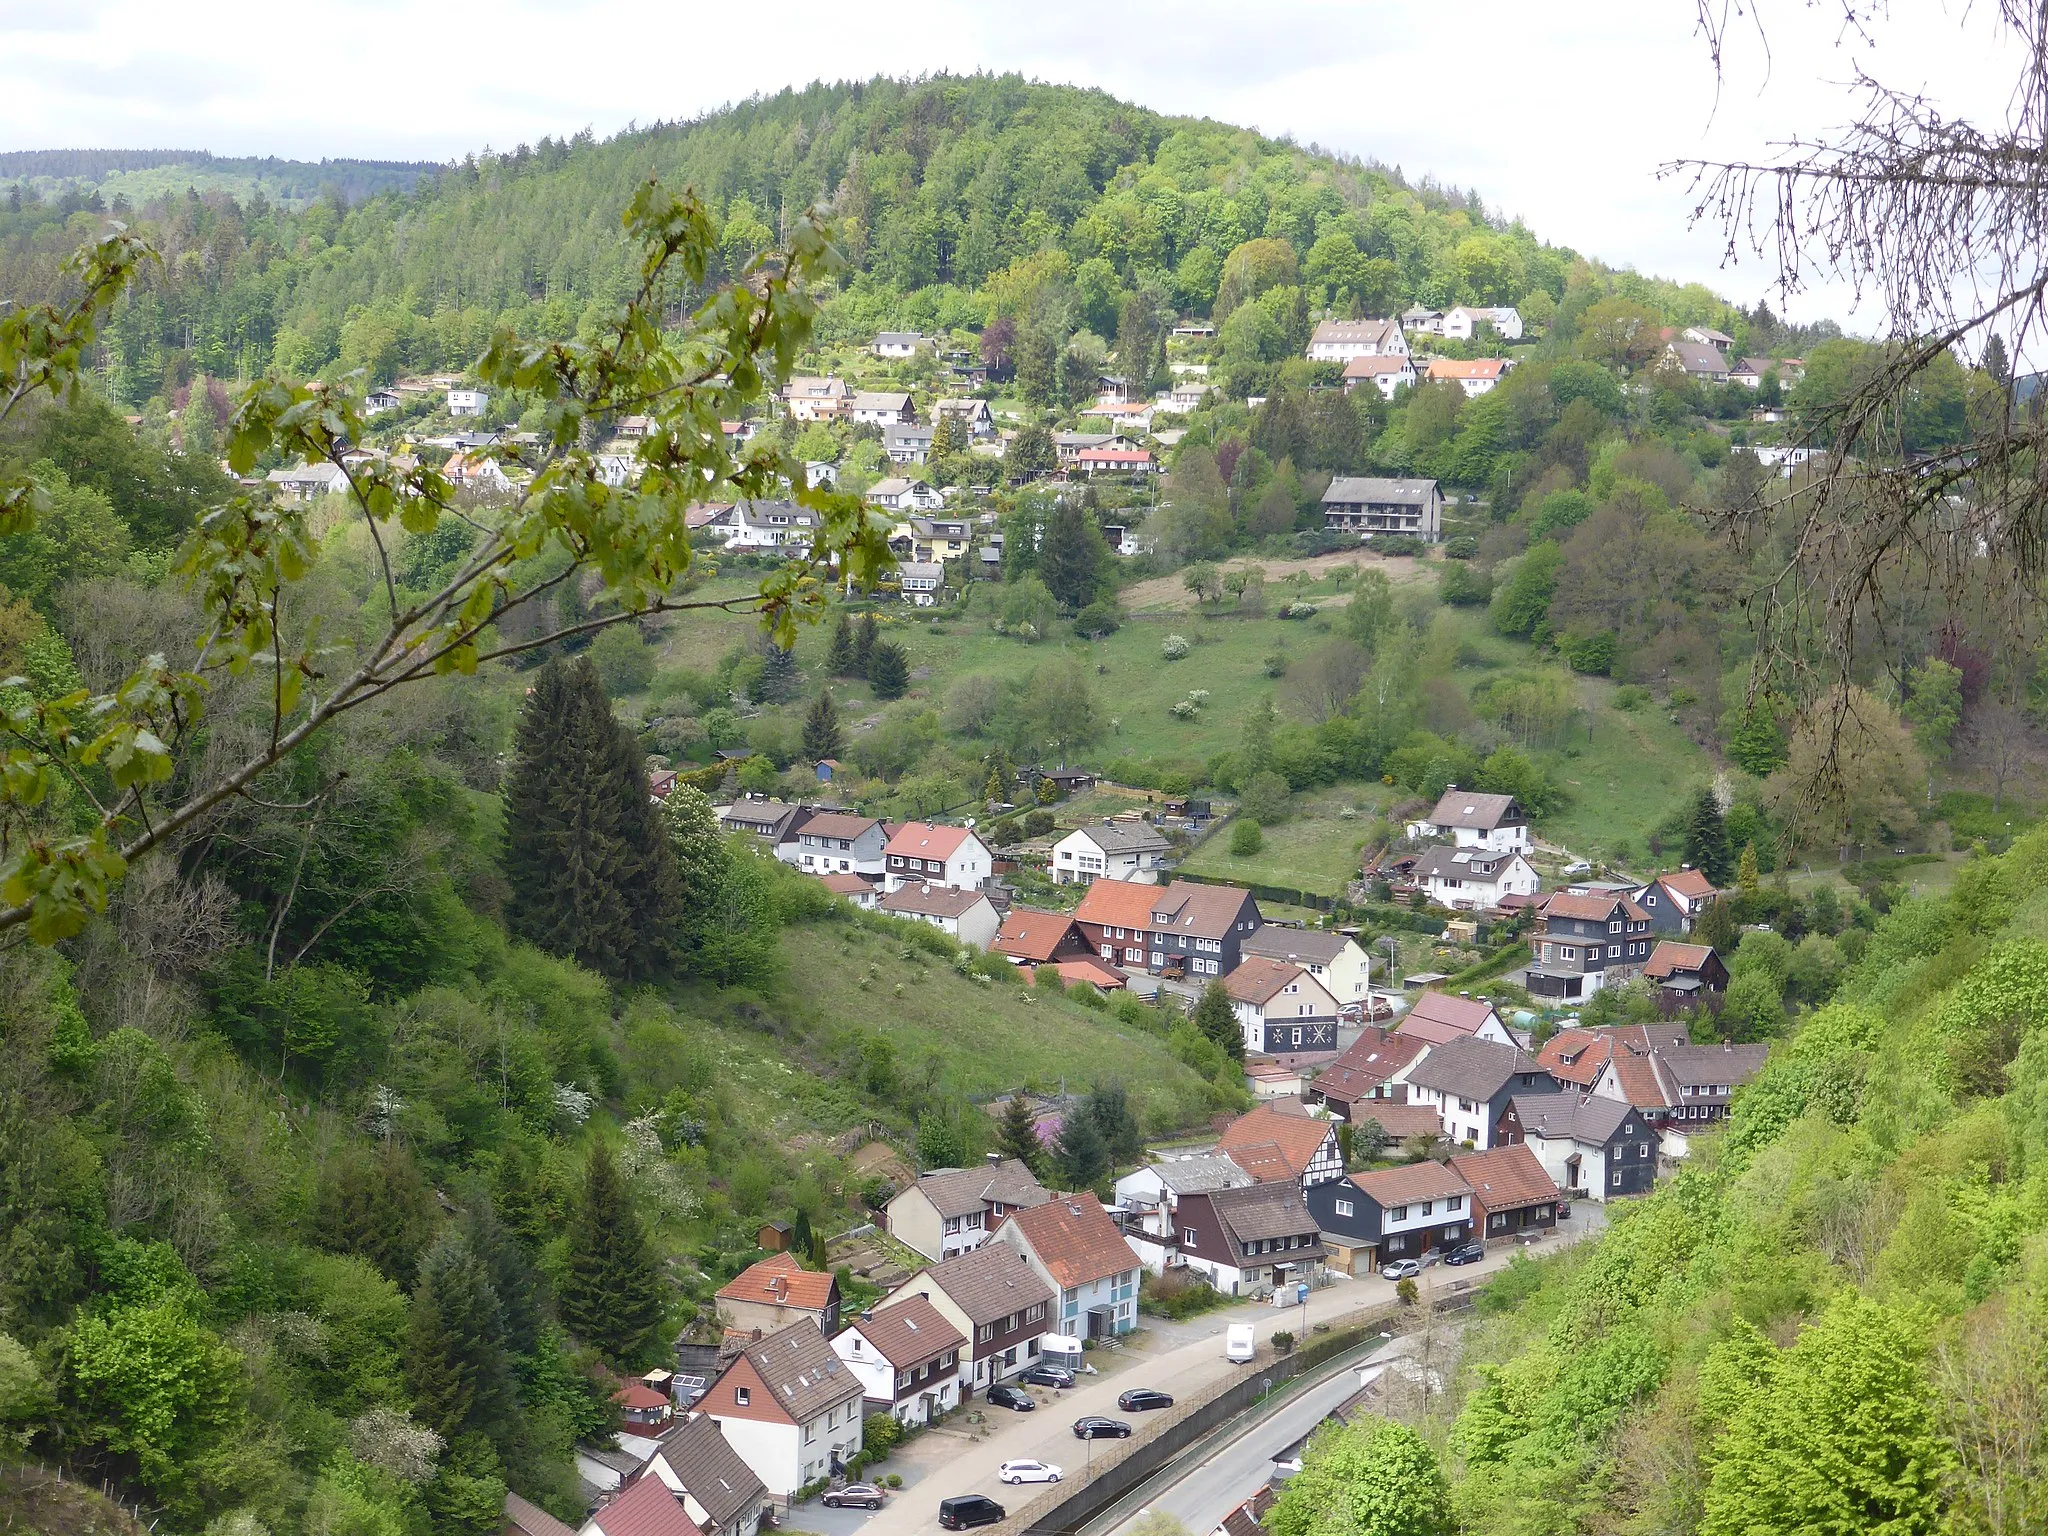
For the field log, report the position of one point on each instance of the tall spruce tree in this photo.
(821, 729)
(519, 1287)
(378, 1208)
(864, 643)
(585, 855)
(779, 680)
(840, 660)
(1215, 1018)
(611, 1281)
(1706, 839)
(455, 1361)
(888, 670)
(1083, 1159)
(1017, 1136)
(1070, 557)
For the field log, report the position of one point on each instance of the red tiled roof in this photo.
(1029, 935)
(1463, 1014)
(1258, 979)
(847, 885)
(1399, 1121)
(931, 900)
(1274, 1141)
(780, 1281)
(1506, 1178)
(1094, 972)
(1367, 367)
(1075, 1240)
(1669, 956)
(1593, 909)
(646, 1508)
(1690, 883)
(1476, 368)
(1589, 1053)
(637, 1394)
(1117, 904)
(922, 840)
(1417, 1181)
(837, 824)
(1641, 1083)
(910, 1333)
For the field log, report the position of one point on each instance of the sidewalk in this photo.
(1182, 1365)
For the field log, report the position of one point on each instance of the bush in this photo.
(1397, 544)
(1102, 618)
(1264, 798)
(1283, 1342)
(1038, 823)
(1174, 647)
(1179, 1294)
(1631, 696)
(1276, 662)
(1464, 584)
(1463, 547)
(1246, 838)
(1592, 654)
(894, 1480)
(879, 1435)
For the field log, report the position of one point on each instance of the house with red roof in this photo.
(1073, 1246)
(1438, 1018)
(1280, 1142)
(1475, 376)
(1181, 930)
(1675, 901)
(1687, 971)
(1586, 940)
(1029, 937)
(966, 915)
(1364, 1079)
(862, 892)
(644, 1508)
(777, 1292)
(1512, 1192)
(1114, 461)
(920, 853)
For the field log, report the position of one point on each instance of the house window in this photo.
(1428, 1207)
(1614, 927)
(1455, 1203)
(986, 1332)
(1187, 1236)
(1036, 1314)
(742, 1396)
(1643, 1149)
(1343, 1207)
(1398, 1213)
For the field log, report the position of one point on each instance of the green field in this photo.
(1316, 849)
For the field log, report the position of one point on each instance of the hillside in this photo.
(139, 177)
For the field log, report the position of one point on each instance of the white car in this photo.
(1029, 1472)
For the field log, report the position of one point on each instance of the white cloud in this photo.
(1558, 114)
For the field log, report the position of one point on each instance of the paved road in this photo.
(1181, 1366)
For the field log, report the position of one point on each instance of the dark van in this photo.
(967, 1511)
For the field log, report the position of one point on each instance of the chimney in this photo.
(867, 1314)
(995, 1159)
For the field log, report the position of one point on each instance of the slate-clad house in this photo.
(1280, 1008)
(1575, 1056)
(907, 1358)
(998, 1302)
(1511, 1192)
(1369, 1219)
(1151, 1196)
(1468, 1082)
(1601, 1147)
(1585, 942)
(1674, 902)
(1688, 971)
(789, 1406)
(1245, 1238)
(1680, 1088)
(1185, 930)
(1368, 505)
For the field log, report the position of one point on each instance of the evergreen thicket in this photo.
(612, 1296)
(822, 738)
(888, 670)
(589, 869)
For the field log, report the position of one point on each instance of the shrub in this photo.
(1297, 611)
(1397, 544)
(1100, 618)
(1264, 798)
(1631, 696)
(1246, 838)
(1174, 647)
(1283, 1341)
(1463, 547)
(1276, 661)
(1038, 823)
(1592, 654)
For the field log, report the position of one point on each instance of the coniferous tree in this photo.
(821, 729)
(611, 1282)
(1109, 1107)
(1017, 1137)
(1717, 928)
(585, 854)
(840, 660)
(1082, 1158)
(779, 679)
(1747, 873)
(1070, 557)
(702, 867)
(1215, 1018)
(888, 670)
(1031, 452)
(1706, 840)
(520, 1289)
(864, 643)
(455, 1361)
(378, 1208)
(939, 1142)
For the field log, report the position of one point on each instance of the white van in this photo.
(1239, 1343)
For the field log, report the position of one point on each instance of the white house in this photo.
(881, 407)
(718, 1491)
(755, 525)
(1471, 879)
(308, 482)
(815, 399)
(1460, 323)
(837, 843)
(994, 1296)
(789, 1406)
(1373, 504)
(922, 582)
(1599, 1146)
(901, 495)
(1473, 820)
(1333, 959)
(897, 344)
(821, 472)
(1075, 1248)
(1116, 850)
(1242, 1240)
(921, 853)
(968, 916)
(950, 1211)
(1386, 374)
(468, 402)
(1468, 1083)
(1475, 376)
(1152, 1195)
(970, 413)
(1280, 1008)
(907, 1358)
(1338, 341)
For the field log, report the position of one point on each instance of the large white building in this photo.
(1473, 820)
(1115, 850)
(1339, 341)
(789, 1406)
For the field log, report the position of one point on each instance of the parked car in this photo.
(1029, 1472)
(967, 1510)
(1400, 1269)
(1141, 1399)
(1093, 1428)
(854, 1496)
(1468, 1253)
(1043, 1375)
(1003, 1395)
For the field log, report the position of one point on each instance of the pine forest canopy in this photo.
(962, 200)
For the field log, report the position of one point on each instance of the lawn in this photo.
(1316, 849)
(1626, 774)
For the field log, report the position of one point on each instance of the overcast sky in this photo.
(1558, 114)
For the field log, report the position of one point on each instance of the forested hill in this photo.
(948, 189)
(136, 175)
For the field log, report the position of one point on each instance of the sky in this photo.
(1561, 115)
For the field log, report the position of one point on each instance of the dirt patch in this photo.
(1157, 593)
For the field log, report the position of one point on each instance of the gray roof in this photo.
(1481, 813)
(1200, 1175)
(1575, 1116)
(1697, 357)
(1251, 1213)
(532, 1520)
(963, 1191)
(880, 400)
(1698, 1064)
(986, 1283)
(803, 1373)
(1472, 1068)
(910, 432)
(1351, 488)
(699, 1454)
(1315, 945)
(1459, 864)
(1127, 837)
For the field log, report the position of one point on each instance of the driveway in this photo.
(1177, 1358)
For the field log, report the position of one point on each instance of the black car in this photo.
(968, 1510)
(1470, 1253)
(1092, 1428)
(1003, 1395)
(1141, 1399)
(1043, 1375)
